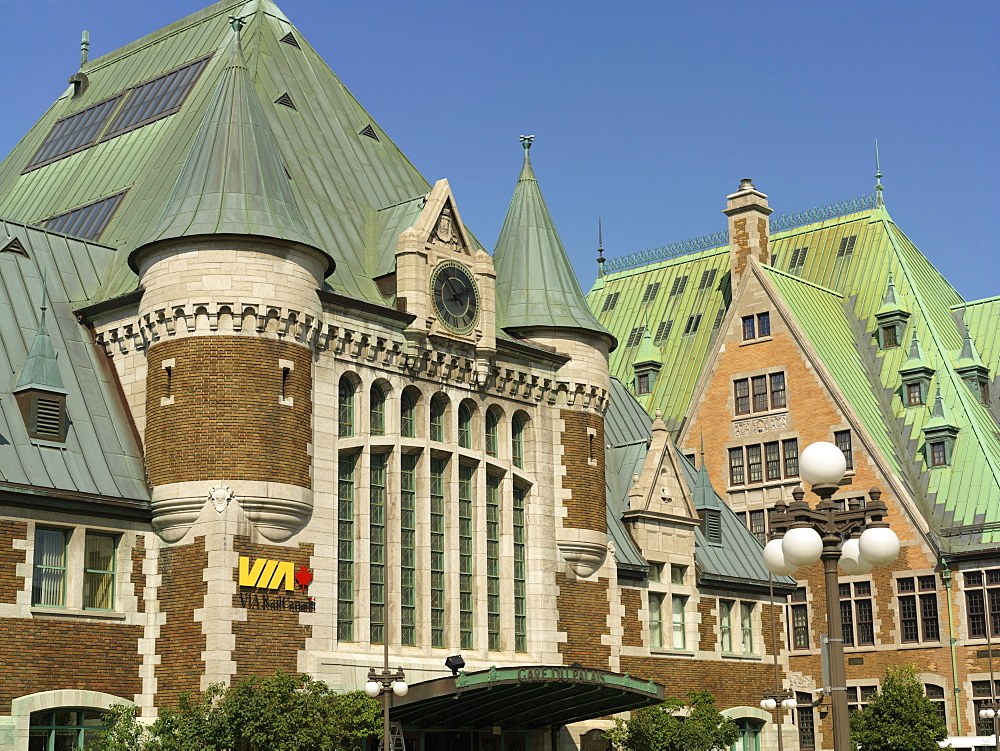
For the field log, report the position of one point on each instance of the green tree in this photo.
(666, 727)
(899, 718)
(280, 713)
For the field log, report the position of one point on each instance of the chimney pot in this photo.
(746, 184)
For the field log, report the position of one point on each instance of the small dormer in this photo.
(971, 369)
(646, 365)
(892, 318)
(40, 394)
(940, 433)
(915, 374)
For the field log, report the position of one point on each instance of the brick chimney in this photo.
(748, 228)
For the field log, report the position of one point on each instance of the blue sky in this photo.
(645, 114)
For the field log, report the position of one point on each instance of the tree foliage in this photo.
(666, 727)
(280, 713)
(899, 718)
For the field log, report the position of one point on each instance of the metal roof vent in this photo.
(286, 101)
(369, 131)
(289, 38)
(13, 245)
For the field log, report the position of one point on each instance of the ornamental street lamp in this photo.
(802, 535)
(382, 684)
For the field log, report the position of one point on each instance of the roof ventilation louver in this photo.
(369, 131)
(289, 38)
(13, 245)
(48, 418)
(286, 101)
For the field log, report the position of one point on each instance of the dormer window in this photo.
(44, 415)
(889, 336)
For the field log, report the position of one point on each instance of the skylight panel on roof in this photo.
(72, 133)
(158, 98)
(798, 259)
(651, 291)
(663, 330)
(87, 221)
(707, 279)
(679, 284)
(846, 246)
(610, 301)
(693, 324)
(635, 336)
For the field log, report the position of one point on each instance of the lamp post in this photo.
(802, 535)
(382, 684)
(990, 710)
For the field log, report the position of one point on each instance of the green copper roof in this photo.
(100, 455)
(41, 369)
(233, 181)
(915, 358)
(536, 285)
(340, 175)
(835, 295)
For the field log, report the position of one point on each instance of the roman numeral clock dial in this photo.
(456, 297)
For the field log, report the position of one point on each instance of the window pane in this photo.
(464, 426)
(407, 407)
(492, 422)
(346, 407)
(759, 393)
(764, 324)
(790, 449)
(655, 621)
(736, 466)
(157, 98)
(741, 391)
(749, 331)
(772, 456)
(87, 221)
(679, 638)
(746, 626)
(778, 400)
(73, 133)
(754, 466)
(377, 410)
(48, 588)
(843, 440)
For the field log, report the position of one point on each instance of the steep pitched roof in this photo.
(833, 275)
(232, 180)
(339, 174)
(100, 456)
(536, 285)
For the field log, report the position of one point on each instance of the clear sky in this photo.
(645, 114)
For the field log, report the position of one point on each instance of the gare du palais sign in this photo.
(265, 584)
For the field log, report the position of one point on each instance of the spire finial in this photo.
(701, 433)
(600, 248)
(238, 22)
(84, 48)
(526, 142)
(878, 179)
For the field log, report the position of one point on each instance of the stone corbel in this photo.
(584, 556)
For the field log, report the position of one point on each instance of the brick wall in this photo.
(708, 641)
(181, 642)
(269, 640)
(583, 615)
(10, 583)
(631, 626)
(585, 479)
(731, 682)
(226, 420)
(40, 654)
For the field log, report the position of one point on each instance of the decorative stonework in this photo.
(221, 496)
(757, 425)
(584, 558)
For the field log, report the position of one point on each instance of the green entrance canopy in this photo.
(520, 698)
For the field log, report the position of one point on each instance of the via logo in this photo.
(264, 573)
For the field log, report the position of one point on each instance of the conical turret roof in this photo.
(233, 180)
(536, 285)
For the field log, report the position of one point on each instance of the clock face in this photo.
(456, 297)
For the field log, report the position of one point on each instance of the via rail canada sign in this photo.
(271, 582)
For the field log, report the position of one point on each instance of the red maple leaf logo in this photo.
(303, 577)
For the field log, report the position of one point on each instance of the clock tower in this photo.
(446, 280)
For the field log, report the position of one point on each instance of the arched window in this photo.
(749, 739)
(438, 407)
(465, 425)
(492, 430)
(345, 402)
(377, 408)
(65, 728)
(407, 414)
(517, 425)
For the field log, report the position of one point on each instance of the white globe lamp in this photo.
(879, 545)
(822, 463)
(851, 561)
(399, 688)
(774, 559)
(789, 703)
(768, 704)
(802, 546)
(372, 689)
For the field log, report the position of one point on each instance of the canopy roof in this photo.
(520, 698)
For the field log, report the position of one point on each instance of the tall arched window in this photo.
(407, 414)
(465, 425)
(492, 430)
(438, 407)
(345, 402)
(517, 440)
(377, 410)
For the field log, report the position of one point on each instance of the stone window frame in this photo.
(984, 589)
(854, 598)
(775, 399)
(744, 619)
(23, 707)
(798, 604)
(74, 553)
(924, 590)
(667, 591)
